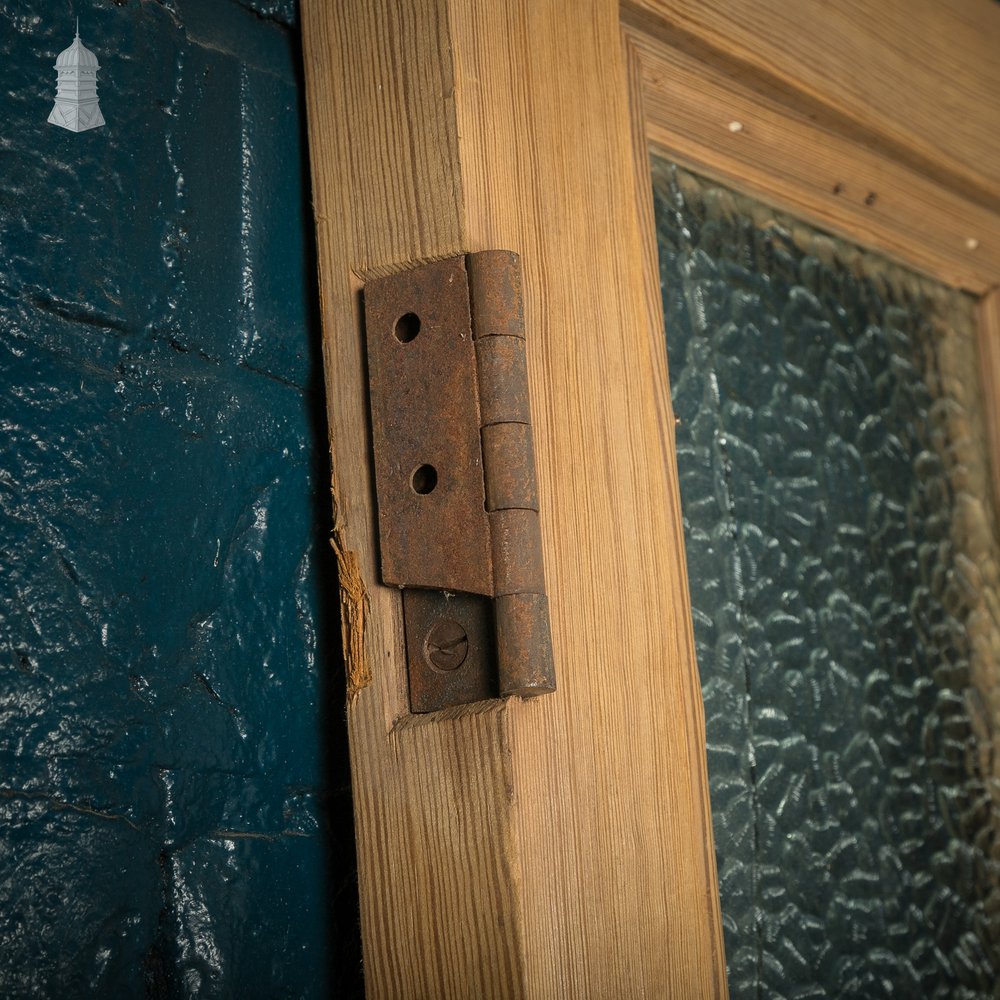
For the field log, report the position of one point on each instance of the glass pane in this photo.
(843, 566)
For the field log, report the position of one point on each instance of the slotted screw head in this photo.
(446, 645)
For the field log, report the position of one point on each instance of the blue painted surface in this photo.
(174, 803)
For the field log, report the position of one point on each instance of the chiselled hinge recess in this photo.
(455, 478)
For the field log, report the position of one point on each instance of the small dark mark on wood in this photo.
(871, 199)
(838, 188)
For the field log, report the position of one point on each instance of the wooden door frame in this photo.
(561, 847)
(725, 106)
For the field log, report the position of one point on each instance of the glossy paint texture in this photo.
(843, 564)
(174, 804)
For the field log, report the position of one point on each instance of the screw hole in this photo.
(407, 327)
(424, 479)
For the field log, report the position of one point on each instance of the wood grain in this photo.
(920, 76)
(438, 872)
(559, 847)
(788, 155)
(610, 811)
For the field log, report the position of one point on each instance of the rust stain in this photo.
(354, 607)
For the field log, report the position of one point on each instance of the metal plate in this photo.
(433, 526)
(449, 644)
(450, 424)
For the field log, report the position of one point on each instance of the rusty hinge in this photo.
(455, 478)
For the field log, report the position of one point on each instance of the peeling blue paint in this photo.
(174, 798)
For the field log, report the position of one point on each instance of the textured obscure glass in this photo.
(844, 567)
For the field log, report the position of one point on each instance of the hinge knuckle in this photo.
(503, 380)
(524, 653)
(509, 467)
(524, 644)
(495, 294)
(517, 552)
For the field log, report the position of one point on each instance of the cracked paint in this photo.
(174, 803)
